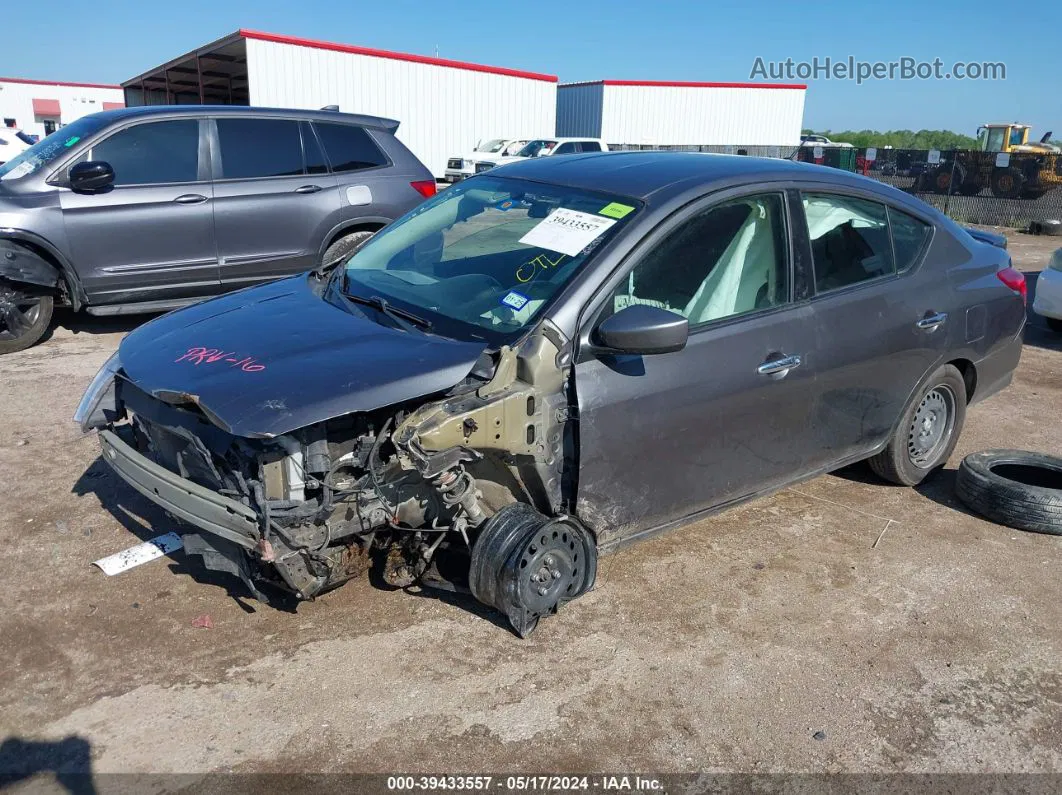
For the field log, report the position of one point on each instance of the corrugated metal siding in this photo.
(683, 115)
(579, 108)
(443, 111)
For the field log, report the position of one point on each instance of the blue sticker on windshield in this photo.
(505, 205)
(515, 300)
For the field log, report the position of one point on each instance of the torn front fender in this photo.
(21, 264)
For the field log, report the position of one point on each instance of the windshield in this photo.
(491, 146)
(536, 148)
(50, 148)
(482, 258)
(995, 139)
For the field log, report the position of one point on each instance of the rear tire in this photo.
(928, 431)
(345, 246)
(1054, 324)
(24, 318)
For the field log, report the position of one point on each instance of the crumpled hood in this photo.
(275, 358)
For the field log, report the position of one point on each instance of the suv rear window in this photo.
(349, 148)
(259, 148)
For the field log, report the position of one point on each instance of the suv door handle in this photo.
(308, 189)
(190, 198)
(931, 322)
(779, 367)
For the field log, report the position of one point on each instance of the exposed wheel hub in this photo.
(931, 428)
(527, 565)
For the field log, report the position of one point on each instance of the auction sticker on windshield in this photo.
(567, 231)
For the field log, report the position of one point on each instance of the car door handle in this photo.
(779, 366)
(308, 189)
(190, 198)
(931, 322)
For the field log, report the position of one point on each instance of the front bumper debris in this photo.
(198, 506)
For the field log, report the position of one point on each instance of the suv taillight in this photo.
(1015, 280)
(425, 187)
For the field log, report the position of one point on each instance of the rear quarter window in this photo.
(909, 237)
(349, 147)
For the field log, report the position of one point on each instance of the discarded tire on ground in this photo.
(527, 565)
(1051, 226)
(1014, 488)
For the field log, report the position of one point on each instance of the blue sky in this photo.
(108, 41)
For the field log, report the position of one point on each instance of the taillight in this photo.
(1015, 280)
(425, 187)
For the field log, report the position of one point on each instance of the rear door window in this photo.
(349, 147)
(909, 237)
(253, 148)
(849, 240)
(591, 146)
(154, 153)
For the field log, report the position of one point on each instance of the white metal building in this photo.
(444, 107)
(627, 112)
(41, 106)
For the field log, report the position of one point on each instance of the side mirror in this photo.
(641, 329)
(91, 176)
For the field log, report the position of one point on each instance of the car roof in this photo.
(164, 111)
(659, 175)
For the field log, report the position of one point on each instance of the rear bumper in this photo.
(198, 506)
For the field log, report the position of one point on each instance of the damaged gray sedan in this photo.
(543, 363)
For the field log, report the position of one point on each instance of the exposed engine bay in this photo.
(464, 491)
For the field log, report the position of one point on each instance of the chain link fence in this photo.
(994, 188)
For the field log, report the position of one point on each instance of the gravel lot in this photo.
(775, 637)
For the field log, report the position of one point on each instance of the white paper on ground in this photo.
(141, 553)
(567, 231)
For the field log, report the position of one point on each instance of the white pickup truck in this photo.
(544, 147)
(490, 150)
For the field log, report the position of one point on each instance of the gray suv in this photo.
(151, 208)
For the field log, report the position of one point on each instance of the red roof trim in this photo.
(683, 84)
(27, 81)
(396, 56)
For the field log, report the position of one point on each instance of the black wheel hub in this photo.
(931, 428)
(18, 312)
(527, 565)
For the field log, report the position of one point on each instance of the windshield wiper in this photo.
(407, 320)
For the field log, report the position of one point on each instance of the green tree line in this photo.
(900, 139)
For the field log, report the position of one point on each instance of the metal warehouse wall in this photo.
(579, 107)
(660, 114)
(443, 110)
(75, 100)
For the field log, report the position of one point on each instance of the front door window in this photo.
(727, 261)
